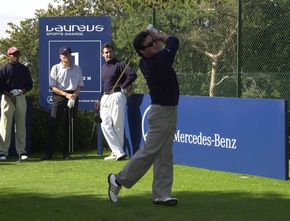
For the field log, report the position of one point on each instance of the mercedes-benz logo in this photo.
(144, 130)
(49, 99)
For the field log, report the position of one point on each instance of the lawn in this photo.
(77, 190)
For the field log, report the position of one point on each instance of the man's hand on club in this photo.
(16, 92)
(70, 103)
(98, 105)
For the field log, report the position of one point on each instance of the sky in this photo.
(25, 8)
(18, 10)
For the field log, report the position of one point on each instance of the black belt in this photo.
(111, 92)
(69, 92)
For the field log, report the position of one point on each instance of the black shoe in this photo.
(46, 157)
(166, 201)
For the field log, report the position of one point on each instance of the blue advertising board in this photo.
(240, 135)
(84, 35)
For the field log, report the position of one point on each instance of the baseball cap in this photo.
(64, 50)
(12, 50)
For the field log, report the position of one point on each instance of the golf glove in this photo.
(16, 92)
(70, 103)
(151, 28)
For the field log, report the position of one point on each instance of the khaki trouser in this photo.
(9, 111)
(156, 151)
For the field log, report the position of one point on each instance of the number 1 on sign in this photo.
(76, 55)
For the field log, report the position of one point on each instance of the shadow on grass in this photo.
(56, 157)
(194, 206)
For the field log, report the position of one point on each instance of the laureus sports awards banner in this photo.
(84, 35)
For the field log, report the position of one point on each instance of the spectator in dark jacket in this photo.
(15, 81)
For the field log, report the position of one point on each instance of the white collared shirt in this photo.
(66, 78)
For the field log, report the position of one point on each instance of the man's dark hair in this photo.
(139, 40)
(107, 45)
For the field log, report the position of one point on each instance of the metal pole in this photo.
(239, 48)
(99, 139)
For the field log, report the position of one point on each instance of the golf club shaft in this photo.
(92, 134)
(121, 75)
(72, 129)
(69, 131)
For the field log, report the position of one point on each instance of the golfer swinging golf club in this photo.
(156, 66)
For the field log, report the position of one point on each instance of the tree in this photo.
(25, 36)
(266, 45)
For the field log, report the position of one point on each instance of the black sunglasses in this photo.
(15, 54)
(149, 45)
(66, 54)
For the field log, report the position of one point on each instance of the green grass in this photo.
(77, 190)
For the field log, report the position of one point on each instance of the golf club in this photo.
(90, 141)
(72, 130)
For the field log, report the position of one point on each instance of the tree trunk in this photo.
(213, 78)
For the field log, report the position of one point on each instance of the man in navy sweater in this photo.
(113, 102)
(156, 66)
(15, 80)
